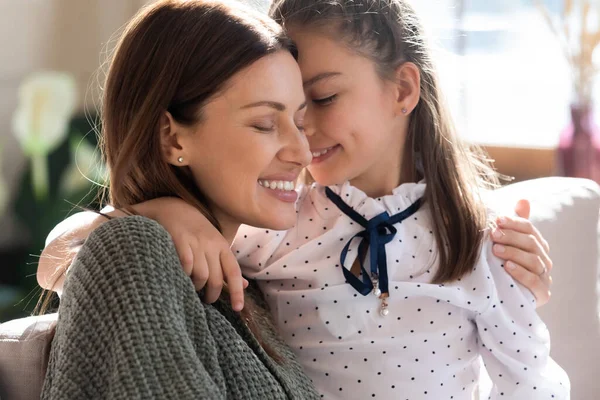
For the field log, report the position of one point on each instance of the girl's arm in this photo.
(62, 244)
(204, 253)
(515, 343)
(206, 257)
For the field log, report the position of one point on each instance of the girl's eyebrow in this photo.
(324, 75)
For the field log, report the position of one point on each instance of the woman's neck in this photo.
(228, 226)
(229, 231)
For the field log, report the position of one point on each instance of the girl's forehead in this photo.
(320, 55)
(319, 49)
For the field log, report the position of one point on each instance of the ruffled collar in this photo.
(401, 198)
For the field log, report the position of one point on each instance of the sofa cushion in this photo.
(24, 349)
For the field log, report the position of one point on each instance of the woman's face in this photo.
(248, 150)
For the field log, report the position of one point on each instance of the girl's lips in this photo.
(321, 155)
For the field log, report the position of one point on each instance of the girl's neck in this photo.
(378, 181)
(376, 186)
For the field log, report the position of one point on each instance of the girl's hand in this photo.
(518, 242)
(205, 254)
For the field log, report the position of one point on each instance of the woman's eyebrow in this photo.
(266, 103)
(273, 104)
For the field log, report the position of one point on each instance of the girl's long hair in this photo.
(389, 33)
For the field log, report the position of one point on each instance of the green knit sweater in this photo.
(131, 326)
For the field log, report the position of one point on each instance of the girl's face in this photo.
(249, 148)
(353, 123)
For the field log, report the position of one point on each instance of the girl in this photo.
(391, 291)
(388, 284)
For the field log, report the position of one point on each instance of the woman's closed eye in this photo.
(325, 101)
(264, 128)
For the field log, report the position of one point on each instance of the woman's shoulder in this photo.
(122, 227)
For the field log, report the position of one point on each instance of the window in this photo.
(502, 69)
(504, 74)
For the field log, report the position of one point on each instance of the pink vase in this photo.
(579, 145)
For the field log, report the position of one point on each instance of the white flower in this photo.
(47, 101)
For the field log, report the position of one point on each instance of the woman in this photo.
(131, 324)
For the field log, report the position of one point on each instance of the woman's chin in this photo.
(279, 220)
(283, 223)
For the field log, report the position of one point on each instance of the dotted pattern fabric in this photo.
(435, 338)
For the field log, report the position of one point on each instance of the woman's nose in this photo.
(296, 149)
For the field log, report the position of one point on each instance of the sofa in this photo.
(566, 212)
(564, 209)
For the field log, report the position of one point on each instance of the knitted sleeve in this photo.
(130, 324)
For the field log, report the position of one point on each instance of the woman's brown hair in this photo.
(389, 33)
(175, 56)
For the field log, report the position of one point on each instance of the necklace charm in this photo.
(384, 308)
(375, 280)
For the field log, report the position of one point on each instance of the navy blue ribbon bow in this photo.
(378, 232)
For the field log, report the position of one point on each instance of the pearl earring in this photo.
(404, 110)
(180, 159)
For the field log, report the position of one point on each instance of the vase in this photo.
(579, 145)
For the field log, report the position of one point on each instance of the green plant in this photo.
(64, 175)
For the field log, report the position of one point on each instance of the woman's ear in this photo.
(170, 140)
(408, 88)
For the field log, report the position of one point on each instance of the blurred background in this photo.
(519, 75)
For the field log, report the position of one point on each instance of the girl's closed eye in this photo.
(300, 124)
(325, 101)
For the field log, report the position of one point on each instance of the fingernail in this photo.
(510, 265)
(238, 306)
(502, 220)
(497, 233)
(499, 248)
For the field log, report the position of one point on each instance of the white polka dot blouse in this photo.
(425, 341)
